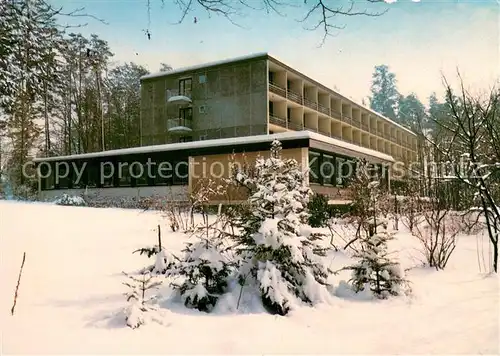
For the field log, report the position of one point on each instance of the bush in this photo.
(70, 200)
(319, 210)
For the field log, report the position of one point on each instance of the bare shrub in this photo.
(179, 216)
(361, 214)
(471, 223)
(437, 234)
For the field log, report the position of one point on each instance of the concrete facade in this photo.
(227, 100)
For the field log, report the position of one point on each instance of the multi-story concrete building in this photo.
(256, 95)
(233, 110)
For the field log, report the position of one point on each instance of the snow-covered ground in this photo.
(70, 297)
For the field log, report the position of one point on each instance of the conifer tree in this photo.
(283, 263)
(374, 269)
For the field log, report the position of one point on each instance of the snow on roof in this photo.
(204, 65)
(234, 141)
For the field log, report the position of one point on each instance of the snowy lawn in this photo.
(70, 297)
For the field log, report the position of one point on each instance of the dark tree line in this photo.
(59, 92)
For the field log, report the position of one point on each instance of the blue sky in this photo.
(418, 40)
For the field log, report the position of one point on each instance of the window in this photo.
(124, 179)
(186, 116)
(202, 109)
(203, 137)
(271, 108)
(202, 79)
(163, 174)
(288, 85)
(185, 139)
(185, 86)
(47, 170)
(314, 167)
(341, 173)
(139, 173)
(180, 173)
(92, 174)
(328, 170)
(288, 114)
(62, 175)
(77, 175)
(106, 177)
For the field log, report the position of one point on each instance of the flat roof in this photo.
(280, 63)
(205, 65)
(234, 141)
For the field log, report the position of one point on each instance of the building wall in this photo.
(230, 102)
(217, 168)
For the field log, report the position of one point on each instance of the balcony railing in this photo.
(323, 132)
(180, 124)
(277, 121)
(310, 104)
(180, 97)
(285, 123)
(336, 114)
(273, 88)
(331, 112)
(346, 119)
(297, 98)
(295, 126)
(323, 109)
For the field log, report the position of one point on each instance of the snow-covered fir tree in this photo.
(204, 269)
(139, 302)
(375, 270)
(284, 264)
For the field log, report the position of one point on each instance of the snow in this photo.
(175, 98)
(204, 65)
(71, 297)
(233, 141)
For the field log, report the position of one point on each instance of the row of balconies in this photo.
(287, 124)
(331, 112)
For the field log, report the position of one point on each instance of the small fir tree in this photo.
(205, 268)
(139, 302)
(374, 270)
(284, 264)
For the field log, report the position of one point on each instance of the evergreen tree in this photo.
(123, 96)
(411, 113)
(374, 269)
(283, 263)
(384, 92)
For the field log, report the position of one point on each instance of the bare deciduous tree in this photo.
(317, 14)
(472, 145)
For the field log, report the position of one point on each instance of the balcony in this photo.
(295, 126)
(179, 125)
(311, 104)
(336, 114)
(324, 110)
(277, 121)
(273, 88)
(356, 123)
(180, 98)
(297, 98)
(347, 119)
(365, 127)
